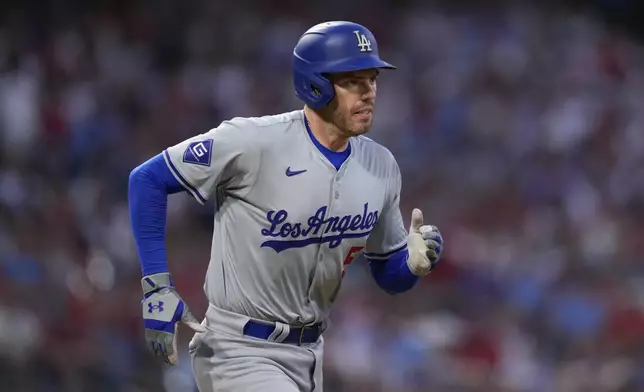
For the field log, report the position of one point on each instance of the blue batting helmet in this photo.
(329, 48)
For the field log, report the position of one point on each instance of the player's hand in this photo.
(424, 244)
(163, 309)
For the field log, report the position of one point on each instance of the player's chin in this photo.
(361, 127)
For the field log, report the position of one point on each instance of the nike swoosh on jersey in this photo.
(290, 173)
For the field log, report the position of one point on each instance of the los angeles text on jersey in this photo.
(317, 229)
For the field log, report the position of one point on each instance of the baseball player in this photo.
(298, 197)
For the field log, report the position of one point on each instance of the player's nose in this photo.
(367, 89)
(369, 94)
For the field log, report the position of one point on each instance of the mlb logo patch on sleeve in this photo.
(198, 153)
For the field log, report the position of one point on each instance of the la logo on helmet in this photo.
(363, 42)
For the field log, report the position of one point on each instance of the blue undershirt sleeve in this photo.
(393, 274)
(149, 186)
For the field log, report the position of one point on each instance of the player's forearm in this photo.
(393, 274)
(149, 186)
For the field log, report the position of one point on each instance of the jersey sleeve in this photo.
(225, 157)
(389, 235)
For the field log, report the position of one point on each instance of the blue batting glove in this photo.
(163, 309)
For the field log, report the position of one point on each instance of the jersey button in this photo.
(337, 194)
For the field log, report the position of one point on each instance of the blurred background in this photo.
(518, 126)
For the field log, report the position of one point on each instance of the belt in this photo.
(296, 335)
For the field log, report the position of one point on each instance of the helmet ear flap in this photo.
(324, 78)
(312, 88)
(323, 90)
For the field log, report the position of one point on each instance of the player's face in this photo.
(355, 100)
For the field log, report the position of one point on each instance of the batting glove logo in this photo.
(158, 307)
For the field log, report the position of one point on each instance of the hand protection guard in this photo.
(424, 244)
(163, 309)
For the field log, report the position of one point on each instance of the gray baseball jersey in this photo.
(287, 223)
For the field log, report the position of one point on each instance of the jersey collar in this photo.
(320, 149)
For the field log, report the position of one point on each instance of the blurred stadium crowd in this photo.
(519, 131)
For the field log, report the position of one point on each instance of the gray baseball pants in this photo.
(226, 360)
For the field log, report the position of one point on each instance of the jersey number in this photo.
(353, 254)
